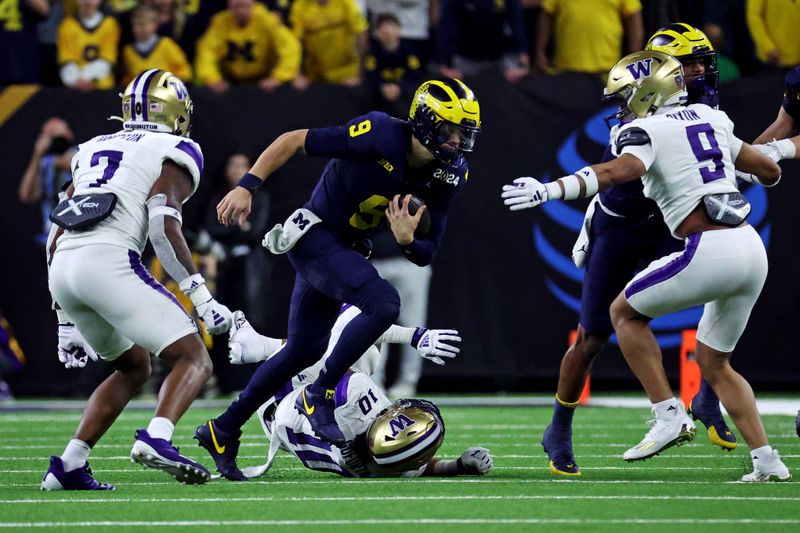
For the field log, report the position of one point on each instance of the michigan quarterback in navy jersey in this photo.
(377, 163)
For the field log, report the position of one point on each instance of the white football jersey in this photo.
(359, 401)
(127, 163)
(690, 154)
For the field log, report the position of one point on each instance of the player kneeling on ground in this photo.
(382, 439)
(685, 157)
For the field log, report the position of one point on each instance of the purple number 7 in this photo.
(113, 159)
(704, 154)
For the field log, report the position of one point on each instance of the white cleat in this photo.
(673, 428)
(766, 469)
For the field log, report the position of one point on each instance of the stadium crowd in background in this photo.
(98, 44)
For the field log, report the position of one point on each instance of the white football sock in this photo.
(761, 454)
(161, 428)
(75, 455)
(662, 409)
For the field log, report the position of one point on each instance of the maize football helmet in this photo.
(157, 100)
(440, 109)
(405, 436)
(645, 82)
(685, 42)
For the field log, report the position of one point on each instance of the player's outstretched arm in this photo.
(781, 128)
(753, 161)
(432, 344)
(246, 345)
(172, 188)
(526, 192)
(237, 203)
(475, 461)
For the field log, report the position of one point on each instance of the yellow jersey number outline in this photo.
(370, 212)
(361, 128)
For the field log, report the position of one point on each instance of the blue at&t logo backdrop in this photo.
(583, 147)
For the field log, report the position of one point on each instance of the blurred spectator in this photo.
(725, 24)
(20, 60)
(87, 47)
(588, 34)
(774, 25)
(391, 69)
(412, 283)
(473, 37)
(48, 170)
(333, 34)
(243, 271)
(658, 13)
(170, 18)
(198, 15)
(280, 8)
(414, 17)
(530, 15)
(150, 50)
(246, 44)
(11, 357)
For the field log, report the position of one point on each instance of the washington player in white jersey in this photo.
(686, 157)
(129, 187)
(365, 415)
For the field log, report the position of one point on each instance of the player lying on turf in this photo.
(685, 157)
(382, 438)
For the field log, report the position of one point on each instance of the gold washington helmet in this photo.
(157, 100)
(406, 436)
(645, 82)
(685, 42)
(439, 109)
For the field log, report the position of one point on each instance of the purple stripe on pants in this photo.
(670, 270)
(144, 275)
(303, 438)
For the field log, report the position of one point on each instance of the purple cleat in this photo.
(223, 448)
(56, 478)
(318, 406)
(160, 454)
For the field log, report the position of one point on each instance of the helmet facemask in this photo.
(445, 118)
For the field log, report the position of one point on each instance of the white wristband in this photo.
(786, 148)
(572, 185)
(195, 288)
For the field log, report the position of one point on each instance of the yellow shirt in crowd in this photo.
(588, 33)
(166, 55)
(81, 46)
(263, 48)
(775, 25)
(328, 35)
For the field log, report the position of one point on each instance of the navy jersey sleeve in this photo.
(421, 251)
(366, 135)
(791, 94)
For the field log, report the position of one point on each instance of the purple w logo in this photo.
(180, 89)
(399, 424)
(641, 68)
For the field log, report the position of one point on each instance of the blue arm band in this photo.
(251, 182)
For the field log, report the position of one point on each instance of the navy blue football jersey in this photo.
(791, 94)
(368, 168)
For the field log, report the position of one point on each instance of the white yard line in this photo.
(420, 521)
(393, 498)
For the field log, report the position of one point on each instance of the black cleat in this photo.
(223, 448)
(318, 407)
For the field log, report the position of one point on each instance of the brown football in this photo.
(424, 226)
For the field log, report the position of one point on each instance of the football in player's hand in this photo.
(424, 226)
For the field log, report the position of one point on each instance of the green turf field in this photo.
(687, 488)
